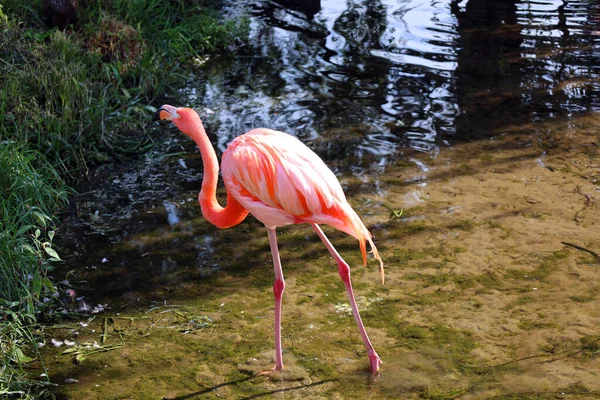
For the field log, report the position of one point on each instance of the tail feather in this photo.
(378, 258)
(363, 235)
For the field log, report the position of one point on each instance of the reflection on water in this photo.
(404, 73)
(364, 83)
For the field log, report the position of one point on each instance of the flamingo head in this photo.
(185, 119)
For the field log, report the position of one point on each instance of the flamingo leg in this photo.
(344, 271)
(278, 288)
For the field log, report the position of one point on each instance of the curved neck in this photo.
(233, 213)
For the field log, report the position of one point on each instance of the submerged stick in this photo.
(593, 253)
(104, 330)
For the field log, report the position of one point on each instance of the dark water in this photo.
(365, 84)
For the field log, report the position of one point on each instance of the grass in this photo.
(177, 28)
(70, 102)
(85, 97)
(31, 191)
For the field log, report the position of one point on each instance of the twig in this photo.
(589, 201)
(593, 253)
(104, 331)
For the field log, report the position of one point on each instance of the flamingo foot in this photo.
(270, 371)
(264, 365)
(375, 363)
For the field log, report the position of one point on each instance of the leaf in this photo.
(42, 218)
(51, 235)
(37, 233)
(79, 358)
(22, 358)
(9, 304)
(24, 229)
(28, 248)
(46, 282)
(29, 305)
(70, 350)
(52, 253)
(37, 284)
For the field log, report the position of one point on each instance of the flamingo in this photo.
(280, 181)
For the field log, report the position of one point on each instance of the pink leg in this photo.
(278, 288)
(344, 271)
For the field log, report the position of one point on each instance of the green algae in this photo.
(582, 298)
(546, 264)
(438, 279)
(529, 325)
(463, 225)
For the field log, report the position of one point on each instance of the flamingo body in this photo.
(280, 181)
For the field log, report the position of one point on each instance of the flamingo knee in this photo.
(344, 271)
(278, 288)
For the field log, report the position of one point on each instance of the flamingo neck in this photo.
(222, 217)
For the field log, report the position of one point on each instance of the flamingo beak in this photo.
(166, 112)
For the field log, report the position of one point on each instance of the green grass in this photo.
(30, 191)
(85, 97)
(178, 28)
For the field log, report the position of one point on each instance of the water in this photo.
(376, 88)
(365, 84)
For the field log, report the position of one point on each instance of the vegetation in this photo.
(84, 97)
(31, 193)
(69, 102)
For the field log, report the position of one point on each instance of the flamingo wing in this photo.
(278, 179)
(281, 181)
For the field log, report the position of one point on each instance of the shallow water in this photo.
(415, 105)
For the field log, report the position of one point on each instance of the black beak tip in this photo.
(156, 116)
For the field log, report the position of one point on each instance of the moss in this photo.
(405, 255)
(590, 347)
(429, 299)
(438, 279)
(463, 225)
(412, 228)
(383, 315)
(413, 332)
(507, 232)
(459, 249)
(548, 264)
(522, 300)
(486, 158)
(529, 325)
(464, 169)
(303, 300)
(582, 298)
(456, 343)
(488, 280)
(432, 264)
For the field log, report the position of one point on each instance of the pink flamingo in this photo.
(280, 181)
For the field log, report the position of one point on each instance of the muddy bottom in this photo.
(492, 282)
